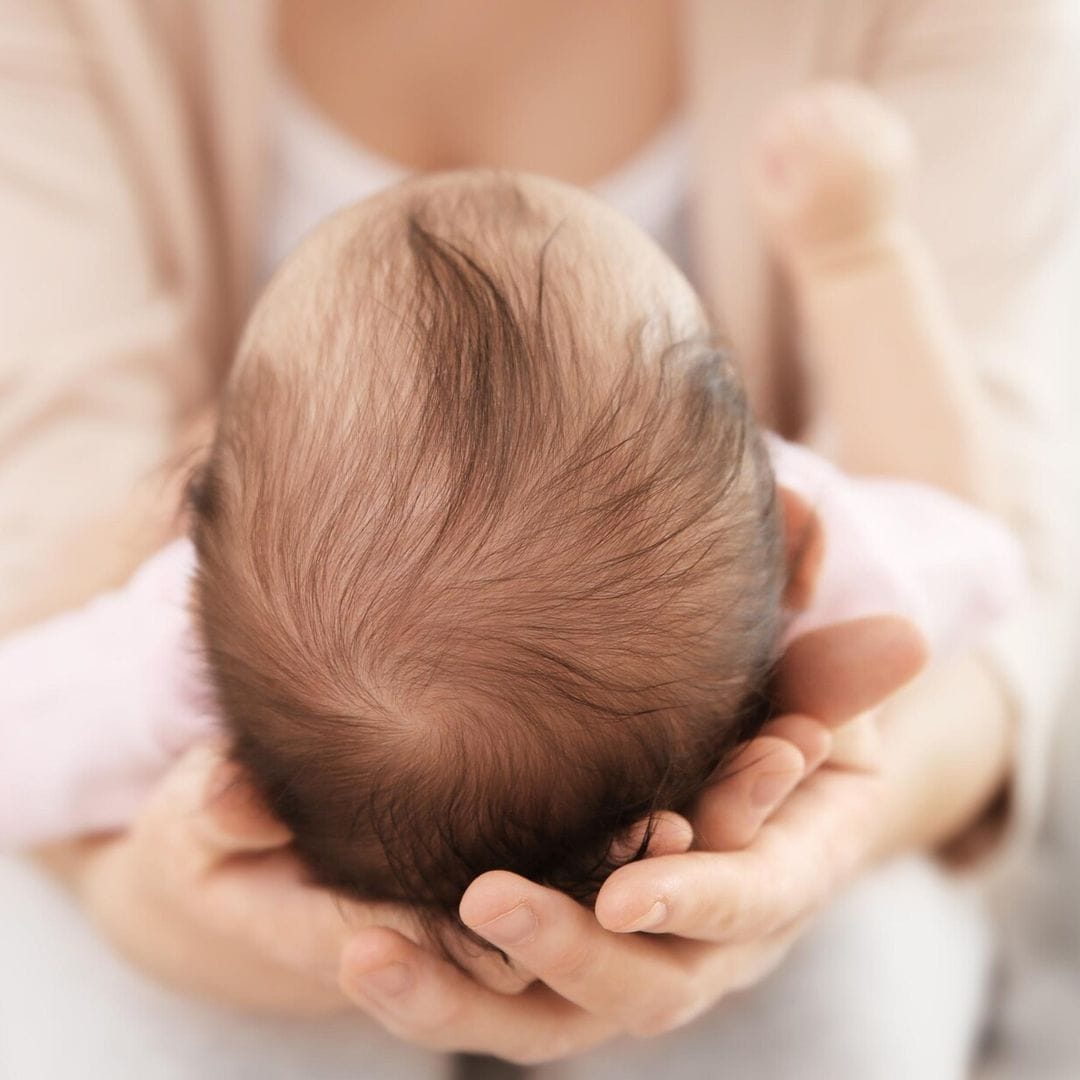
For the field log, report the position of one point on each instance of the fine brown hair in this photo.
(467, 603)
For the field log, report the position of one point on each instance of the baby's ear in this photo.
(804, 548)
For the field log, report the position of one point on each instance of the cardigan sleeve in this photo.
(990, 88)
(96, 344)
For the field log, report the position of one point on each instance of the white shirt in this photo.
(317, 169)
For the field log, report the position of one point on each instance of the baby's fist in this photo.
(827, 173)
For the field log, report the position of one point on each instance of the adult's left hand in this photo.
(726, 916)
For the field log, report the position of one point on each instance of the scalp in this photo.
(489, 557)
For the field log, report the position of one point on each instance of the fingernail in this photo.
(512, 928)
(770, 789)
(389, 981)
(650, 920)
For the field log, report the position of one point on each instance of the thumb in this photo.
(838, 672)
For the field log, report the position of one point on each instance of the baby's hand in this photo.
(827, 174)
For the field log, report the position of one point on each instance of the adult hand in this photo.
(735, 912)
(204, 893)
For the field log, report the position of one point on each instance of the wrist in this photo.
(947, 742)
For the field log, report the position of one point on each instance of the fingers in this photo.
(213, 813)
(827, 171)
(642, 984)
(426, 1000)
(794, 863)
(748, 790)
(835, 673)
(234, 817)
(729, 813)
(489, 967)
(671, 833)
(266, 903)
(200, 818)
(702, 895)
(203, 812)
(810, 737)
(858, 745)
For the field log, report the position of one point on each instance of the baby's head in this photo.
(490, 555)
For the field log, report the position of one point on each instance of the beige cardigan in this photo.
(130, 174)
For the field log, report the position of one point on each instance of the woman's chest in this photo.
(570, 88)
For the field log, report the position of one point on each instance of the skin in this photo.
(829, 181)
(472, 84)
(583, 239)
(588, 234)
(206, 864)
(204, 893)
(731, 915)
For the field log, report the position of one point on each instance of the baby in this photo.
(491, 557)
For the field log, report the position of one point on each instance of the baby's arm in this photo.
(890, 547)
(95, 704)
(873, 318)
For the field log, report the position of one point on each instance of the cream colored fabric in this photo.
(130, 180)
(71, 1009)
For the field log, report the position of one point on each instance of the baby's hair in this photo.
(483, 579)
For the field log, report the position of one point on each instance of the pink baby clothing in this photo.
(902, 548)
(96, 703)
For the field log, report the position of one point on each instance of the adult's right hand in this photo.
(599, 979)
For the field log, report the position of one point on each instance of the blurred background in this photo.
(159, 158)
